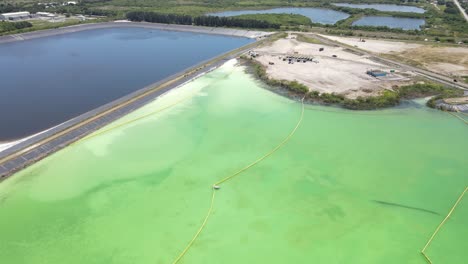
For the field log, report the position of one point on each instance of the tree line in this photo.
(10, 26)
(210, 21)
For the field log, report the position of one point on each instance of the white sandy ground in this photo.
(450, 61)
(345, 74)
(449, 69)
(374, 45)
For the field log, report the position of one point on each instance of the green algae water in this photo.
(349, 187)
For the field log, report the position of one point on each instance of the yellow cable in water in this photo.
(216, 185)
(269, 153)
(199, 229)
(458, 111)
(440, 226)
(459, 117)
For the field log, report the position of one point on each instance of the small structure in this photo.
(376, 73)
(81, 17)
(253, 54)
(15, 16)
(45, 14)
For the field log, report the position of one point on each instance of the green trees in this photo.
(386, 99)
(10, 26)
(210, 21)
(159, 18)
(215, 21)
(451, 8)
(429, 89)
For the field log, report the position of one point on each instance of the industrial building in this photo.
(15, 16)
(377, 73)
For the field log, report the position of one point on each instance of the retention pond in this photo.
(385, 7)
(46, 81)
(349, 187)
(316, 15)
(391, 22)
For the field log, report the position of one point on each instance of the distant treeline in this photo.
(159, 18)
(10, 26)
(210, 21)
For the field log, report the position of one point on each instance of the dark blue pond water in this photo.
(47, 81)
(391, 22)
(385, 7)
(317, 15)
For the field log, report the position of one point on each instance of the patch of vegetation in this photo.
(446, 23)
(11, 26)
(386, 99)
(211, 21)
(304, 38)
(282, 19)
(429, 89)
(276, 36)
(214, 21)
(424, 89)
(42, 26)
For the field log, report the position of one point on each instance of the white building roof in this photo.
(15, 14)
(45, 14)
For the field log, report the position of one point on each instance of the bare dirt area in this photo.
(374, 45)
(455, 101)
(450, 61)
(332, 70)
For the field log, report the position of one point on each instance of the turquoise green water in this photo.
(350, 187)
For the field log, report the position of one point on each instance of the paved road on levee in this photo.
(461, 10)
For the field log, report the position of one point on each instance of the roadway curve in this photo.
(462, 11)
